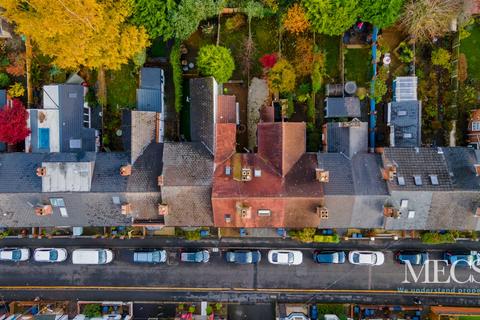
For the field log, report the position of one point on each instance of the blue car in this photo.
(329, 257)
(416, 258)
(465, 259)
(243, 257)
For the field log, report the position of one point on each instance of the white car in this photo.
(50, 255)
(285, 257)
(14, 254)
(367, 258)
(92, 256)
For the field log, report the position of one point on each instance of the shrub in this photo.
(268, 60)
(16, 90)
(310, 110)
(305, 235)
(441, 58)
(295, 20)
(281, 77)
(380, 89)
(405, 53)
(328, 239)
(337, 309)
(235, 22)
(361, 93)
(17, 64)
(177, 75)
(216, 61)
(93, 310)
(4, 80)
(439, 238)
(303, 60)
(318, 71)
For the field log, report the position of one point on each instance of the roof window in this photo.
(401, 181)
(434, 179)
(264, 212)
(418, 180)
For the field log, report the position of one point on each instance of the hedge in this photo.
(329, 239)
(177, 74)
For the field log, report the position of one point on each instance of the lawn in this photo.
(265, 36)
(234, 40)
(358, 66)
(469, 47)
(121, 87)
(331, 46)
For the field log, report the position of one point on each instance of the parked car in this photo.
(150, 256)
(50, 255)
(462, 259)
(92, 256)
(368, 258)
(285, 257)
(199, 256)
(415, 258)
(329, 256)
(14, 254)
(243, 257)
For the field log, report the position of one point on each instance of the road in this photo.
(217, 274)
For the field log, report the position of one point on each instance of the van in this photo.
(92, 256)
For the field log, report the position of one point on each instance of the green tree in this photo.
(92, 310)
(441, 57)
(216, 61)
(281, 78)
(189, 13)
(155, 17)
(381, 13)
(332, 17)
(4, 80)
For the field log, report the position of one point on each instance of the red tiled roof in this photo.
(281, 144)
(226, 109)
(283, 179)
(475, 115)
(225, 141)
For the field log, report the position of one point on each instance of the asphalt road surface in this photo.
(219, 274)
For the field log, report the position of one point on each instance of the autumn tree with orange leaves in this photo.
(295, 20)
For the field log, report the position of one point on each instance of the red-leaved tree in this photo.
(268, 60)
(13, 123)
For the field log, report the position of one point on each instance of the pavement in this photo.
(218, 280)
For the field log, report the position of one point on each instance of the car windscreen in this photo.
(102, 256)
(356, 258)
(275, 257)
(53, 255)
(16, 254)
(290, 257)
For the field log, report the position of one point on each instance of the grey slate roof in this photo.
(21, 189)
(347, 139)
(70, 106)
(422, 162)
(460, 162)
(347, 107)
(202, 95)
(138, 131)
(187, 187)
(150, 93)
(405, 119)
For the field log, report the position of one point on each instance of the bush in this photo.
(318, 71)
(295, 20)
(462, 68)
(310, 110)
(441, 58)
(439, 238)
(268, 60)
(4, 80)
(380, 89)
(281, 78)
(177, 75)
(327, 239)
(92, 310)
(336, 309)
(235, 22)
(405, 53)
(16, 90)
(305, 235)
(216, 61)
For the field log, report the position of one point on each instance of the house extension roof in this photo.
(347, 107)
(202, 111)
(150, 92)
(404, 118)
(348, 138)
